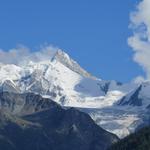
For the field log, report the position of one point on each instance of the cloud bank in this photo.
(140, 41)
(22, 55)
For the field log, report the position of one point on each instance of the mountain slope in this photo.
(138, 97)
(137, 141)
(63, 80)
(51, 127)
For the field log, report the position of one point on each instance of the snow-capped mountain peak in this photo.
(65, 59)
(62, 79)
(140, 96)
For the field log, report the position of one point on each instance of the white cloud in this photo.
(22, 54)
(140, 41)
(138, 80)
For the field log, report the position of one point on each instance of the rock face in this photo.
(139, 96)
(134, 99)
(47, 126)
(23, 104)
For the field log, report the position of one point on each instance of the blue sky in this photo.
(93, 32)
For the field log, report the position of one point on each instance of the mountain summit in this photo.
(64, 58)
